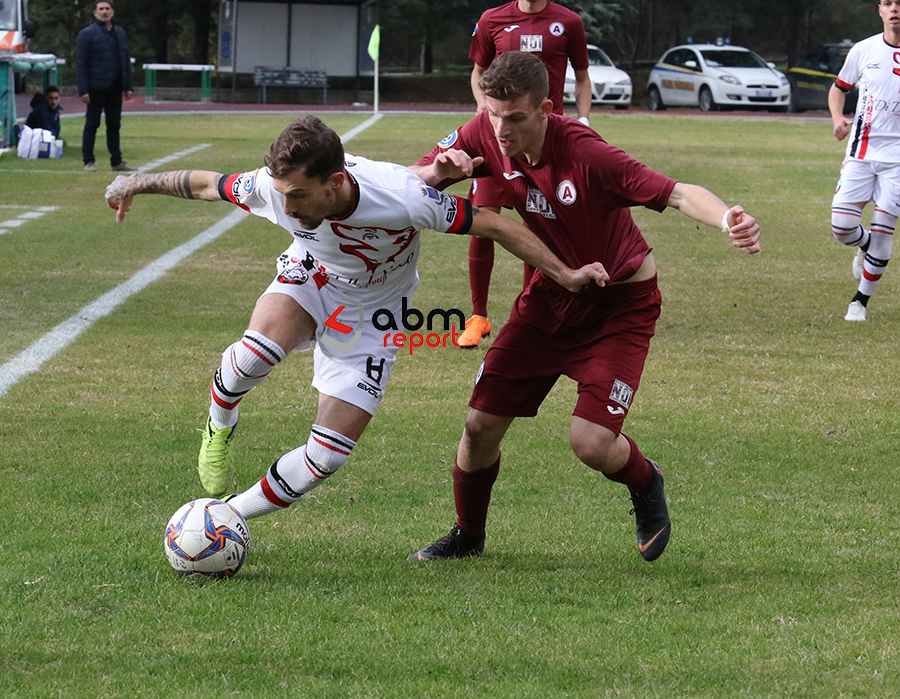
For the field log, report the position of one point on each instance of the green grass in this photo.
(776, 422)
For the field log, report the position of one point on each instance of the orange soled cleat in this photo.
(476, 328)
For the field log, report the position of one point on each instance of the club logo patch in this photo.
(449, 140)
(621, 393)
(565, 192)
(295, 274)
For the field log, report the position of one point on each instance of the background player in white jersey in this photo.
(355, 225)
(871, 167)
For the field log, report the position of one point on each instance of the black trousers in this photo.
(109, 102)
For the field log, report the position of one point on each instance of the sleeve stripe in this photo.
(226, 188)
(463, 221)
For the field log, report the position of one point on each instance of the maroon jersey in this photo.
(555, 35)
(577, 197)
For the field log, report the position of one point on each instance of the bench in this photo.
(289, 77)
(205, 71)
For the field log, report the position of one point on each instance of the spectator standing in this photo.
(104, 80)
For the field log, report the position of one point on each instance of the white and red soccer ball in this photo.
(208, 537)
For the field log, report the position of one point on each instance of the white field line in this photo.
(28, 215)
(5, 226)
(144, 168)
(30, 360)
(175, 156)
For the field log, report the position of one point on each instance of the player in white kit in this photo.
(871, 167)
(355, 224)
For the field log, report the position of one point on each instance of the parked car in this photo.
(610, 85)
(712, 77)
(813, 75)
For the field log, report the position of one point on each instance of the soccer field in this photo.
(776, 423)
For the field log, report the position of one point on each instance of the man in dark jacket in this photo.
(45, 109)
(104, 79)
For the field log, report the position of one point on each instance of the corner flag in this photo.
(374, 42)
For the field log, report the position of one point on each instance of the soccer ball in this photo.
(207, 536)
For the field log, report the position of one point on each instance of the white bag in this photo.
(35, 143)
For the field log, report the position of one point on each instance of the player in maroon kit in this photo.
(574, 191)
(554, 34)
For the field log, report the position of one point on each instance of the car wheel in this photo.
(792, 104)
(654, 100)
(707, 103)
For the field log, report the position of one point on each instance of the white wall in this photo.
(322, 37)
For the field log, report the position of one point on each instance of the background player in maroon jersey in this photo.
(554, 34)
(574, 191)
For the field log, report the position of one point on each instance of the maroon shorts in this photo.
(485, 192)
(600, 340)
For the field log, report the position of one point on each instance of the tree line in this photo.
(434, 35)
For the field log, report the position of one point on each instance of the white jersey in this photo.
(874, 65)
(372, 251)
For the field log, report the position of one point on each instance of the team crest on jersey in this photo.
(448, 140)
(621, 393)
(565, 192)
(557, 29)
(537, 203)
(293, 274)
(531, 42)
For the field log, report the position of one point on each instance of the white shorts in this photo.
(865, 180)
(351, 361)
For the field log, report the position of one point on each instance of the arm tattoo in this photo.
(175, 184)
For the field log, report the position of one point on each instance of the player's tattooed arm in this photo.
(185, 184)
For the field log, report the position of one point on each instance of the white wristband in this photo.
(584, 120)
(725, 227)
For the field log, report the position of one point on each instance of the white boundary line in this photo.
(30, 360)
(175, 156)
(30, 214)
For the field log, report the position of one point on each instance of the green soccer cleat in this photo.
(214, 462)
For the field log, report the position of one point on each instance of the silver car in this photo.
(713, 77)
(609, 84)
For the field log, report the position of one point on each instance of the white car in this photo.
(712, 77)
(609, 84)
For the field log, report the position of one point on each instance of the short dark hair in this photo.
(108, 2)
(308, 144)
(513, 74)
(51, 88)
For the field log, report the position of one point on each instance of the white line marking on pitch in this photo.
(175, 156)
(24, 217)
(30, 360)
(40, 211)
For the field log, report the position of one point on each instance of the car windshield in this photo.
(732, 59)
(595, 56)
(9, 18)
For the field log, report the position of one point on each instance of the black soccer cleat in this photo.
(456, 544)
(653, 524)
